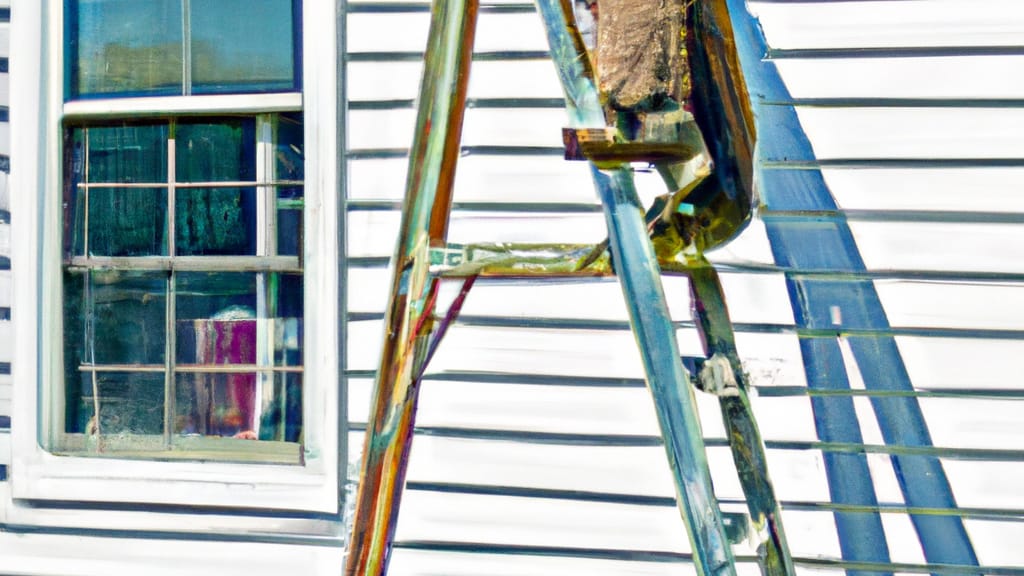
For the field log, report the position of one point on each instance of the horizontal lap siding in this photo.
(6, 279)
(538, 390)
(559, 432)
(931, 208)
(909, 108)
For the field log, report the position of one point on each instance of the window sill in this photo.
(310, 487)
(198, 448)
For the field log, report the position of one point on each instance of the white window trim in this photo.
(182, 105)
(38, 475)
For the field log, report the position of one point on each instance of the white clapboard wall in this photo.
(548, 462)
(5, 241)
(536, 450)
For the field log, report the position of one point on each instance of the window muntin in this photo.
(172, 47)
(183, 321)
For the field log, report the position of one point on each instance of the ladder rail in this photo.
(409, 321)
(640, 278)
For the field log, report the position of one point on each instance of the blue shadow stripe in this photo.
(816, 245)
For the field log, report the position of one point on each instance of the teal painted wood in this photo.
(748, 451)
(640, 278)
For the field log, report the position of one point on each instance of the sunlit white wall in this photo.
(539, 433)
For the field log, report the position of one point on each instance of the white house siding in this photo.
(932, 134)
(914, 114)
(63, 554)
(88, 539)
(553, 448)
(535, 430)
(5, 242)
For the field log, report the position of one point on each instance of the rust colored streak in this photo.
(452, 145)
(409, 318)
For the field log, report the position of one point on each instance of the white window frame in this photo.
(37, 474)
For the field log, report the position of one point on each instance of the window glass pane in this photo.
(212, 221)
(129, 402)
(114, 317)
(127, 154)
(216, 325)
(110, 318)
(289, 166)
(215, 221)
(73, 196)
(242, 46)
(125, 47)
(285, 291)
(281, 392)
(289, 221)
(217, 311)
(288, 152)
(215, 404)
(127, 221)
(222, 404)
(281, 417)
(121, 222)
(249, 320)
(216, 314)
(222, 151)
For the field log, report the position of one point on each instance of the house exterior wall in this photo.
(106, 536)
(5, 230)
(536, 433)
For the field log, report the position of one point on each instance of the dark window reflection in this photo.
(127, 222)
(216, 221)
(130, 153)
(137, 48)
(125, 47)
(217, 326)
(289, 166)
(231, 53)
(114, 318)
(221, 151)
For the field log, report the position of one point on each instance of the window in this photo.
(186, 227)
(183, 288)
(181, 47)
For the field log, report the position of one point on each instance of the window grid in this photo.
(266, 263)
(185, 51)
